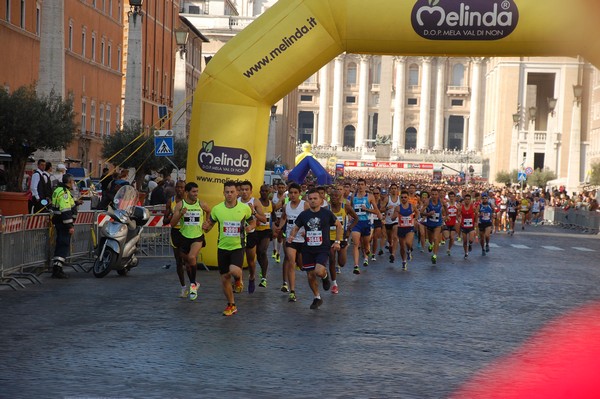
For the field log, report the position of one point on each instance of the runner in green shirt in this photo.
(235, 221)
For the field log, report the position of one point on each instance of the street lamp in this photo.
(516, 119)
(532, 113)
(578, 93)
(135, 8)
(552, 105)
(181, 37)
(273, 111)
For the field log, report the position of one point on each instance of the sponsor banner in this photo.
(389, 164)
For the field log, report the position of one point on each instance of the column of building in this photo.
(440, 95)
(399, 100)
(132, 107)
(52, 48)
(363, 102)
(338, 92)
(574, 165)
(322, 136)
(179, 95)
(423, 133)
(472, 143)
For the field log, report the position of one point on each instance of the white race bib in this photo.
(314, 238)
(232, 229)
(468, 222)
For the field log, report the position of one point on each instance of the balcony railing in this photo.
(458, 90)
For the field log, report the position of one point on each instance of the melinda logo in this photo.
(226, 160)
(464, 19)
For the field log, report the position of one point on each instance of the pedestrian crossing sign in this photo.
(522, 176)
(163, 147)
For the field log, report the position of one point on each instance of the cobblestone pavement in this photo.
(389, 333)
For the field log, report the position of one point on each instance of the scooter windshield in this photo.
(126, 198)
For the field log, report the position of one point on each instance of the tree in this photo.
(540, 177)
(504, 178)
(28, 123)
(595, 176)
(127, 149)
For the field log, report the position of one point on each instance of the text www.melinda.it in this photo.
(286, 43)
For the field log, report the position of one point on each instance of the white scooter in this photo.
(120, 236)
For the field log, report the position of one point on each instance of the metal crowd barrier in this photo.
(573, 219)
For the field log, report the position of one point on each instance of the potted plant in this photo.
(30, 122)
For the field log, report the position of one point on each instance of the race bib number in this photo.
(406, 221)
(524, 208)
(341, 219)
(232, 229)
(192, 218)
(486, 216)
(435, 217)
(359, 211)
(278, 213)
(314, 238)
(268, 222)
(468, 222)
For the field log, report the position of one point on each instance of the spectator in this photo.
(158, 195)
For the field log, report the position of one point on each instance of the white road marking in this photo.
(520, 246)
(552, 248)
(584, 249)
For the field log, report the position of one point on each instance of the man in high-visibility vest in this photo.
(64, 208)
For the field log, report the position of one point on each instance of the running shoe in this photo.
(338, 270)
(326, 283)
(442, 242)
(483, 252)
(356, 270)
(251, 286)
(434, 259)
(380, 252)
(430, 247)
(238, 286)
(274, 254)
(410, 254)
(466, 255)
(263, 283)
(316, 303)
(366, 262)
(404, 265)
(277, 258)
(292, 297)
(470, 247)
(392, 258)
(193, 292)
(230, 310)
(185, 291)
(448, 252)
(373, 258)
(522, 227)
(487, 247)
(335, 290)
(285, 288)
(458, 239)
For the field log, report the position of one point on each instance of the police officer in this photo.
(64, 208)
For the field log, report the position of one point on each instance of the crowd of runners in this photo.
(311, 228)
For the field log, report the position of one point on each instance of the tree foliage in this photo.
(540, 177)
(28, 123)
(595, 176)
(504, 177)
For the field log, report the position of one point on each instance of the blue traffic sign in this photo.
(163, 147)
(522, 176)
(279, 169)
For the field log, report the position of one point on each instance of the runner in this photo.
(190, 211)
(264, 233)
(176, 234)
(436, 214)
(406, 214)
(252, 238)
(279, 200)
(391, 222)
(341, 212)
(450, 226)
(486, 217)
(293, 255)
(420, 222)
(377, 224)
(536, 208)
(524, 209)
(511, 213)
(316, 221)
(468, 215)
(362, 203)
(235, 220)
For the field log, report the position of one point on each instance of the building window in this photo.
(37, 18)
(107, 119)
(22, 14)
(101, 119)
(102, 52)
(93, 46)
(103, 5)
(349, 136)
(109, 59)
(458, 75)
(70, 46)
(376, 71)
(110, 7)
(351, 74)
(119, 58)
(350, 99)
(456, 103)
(306, 98)
(119, 9)
(93, 117)
(94, 3)
(83, 43)
(412, 101)
(8, 10)
(83, 115)
(413, 75)
(410, 138)
(118, 118)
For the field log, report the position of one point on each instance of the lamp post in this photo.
(550, 157)
(514, 150)
(179, 85)
(181, 38)
(573, 170)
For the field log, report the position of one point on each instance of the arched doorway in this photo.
(410, 138)
(349, 136)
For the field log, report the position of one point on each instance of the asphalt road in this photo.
(388, 334)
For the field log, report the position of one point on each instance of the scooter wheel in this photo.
(103, 266)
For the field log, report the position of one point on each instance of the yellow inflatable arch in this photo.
(295, 38)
